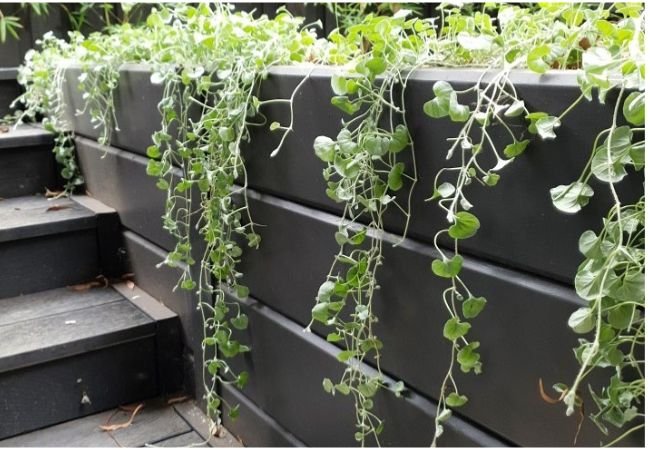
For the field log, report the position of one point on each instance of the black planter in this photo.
(523, 259)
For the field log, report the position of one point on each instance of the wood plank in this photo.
(184, 440)
(51, 393)
(55, 301)
(26, 217)
(44, 339)
(24, 136)
(48, 262)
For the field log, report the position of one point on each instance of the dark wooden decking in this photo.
(157, 424)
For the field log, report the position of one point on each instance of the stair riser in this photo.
(47, 262)
(47, 394)
(27, 171)
(9, 90)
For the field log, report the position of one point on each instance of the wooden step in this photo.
(65, 354)
(46, 244)
(27, 165)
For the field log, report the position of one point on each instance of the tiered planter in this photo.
(523, 260)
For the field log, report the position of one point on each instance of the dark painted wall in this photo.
(526, 280)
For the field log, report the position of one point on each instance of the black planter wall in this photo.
(523, 260)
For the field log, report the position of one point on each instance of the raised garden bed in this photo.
(527, 279)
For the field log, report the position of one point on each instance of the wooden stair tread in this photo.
(25, 136)
(69, 331)
(32, 216)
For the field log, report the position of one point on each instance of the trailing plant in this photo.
(611, 278)
(364, 172)
(210, 63)
(42, 75)
(611, 55)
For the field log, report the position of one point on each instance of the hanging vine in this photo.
(210, 62)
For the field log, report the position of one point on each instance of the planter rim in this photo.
(567, 78)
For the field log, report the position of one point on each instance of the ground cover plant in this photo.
(211, 61)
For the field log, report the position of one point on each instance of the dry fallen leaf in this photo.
(57, 208)
(4, 129)
(546, 397)
(85, 286)
(119, 426)
(178, 399)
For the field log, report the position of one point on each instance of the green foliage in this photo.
(210, 61)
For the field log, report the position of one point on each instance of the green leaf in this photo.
(455, 329)
(455, 401)
(325, 148)
(632, 287)
(591, 278)
(227, 134)
(376, 65)
(444, 190)
(233, 412)
(334, 337)
(465, 225)
(328, 386)
(345, 355)
(473, 306)
(606, 168)
(241, 291)
(240, 322)
(516, 148)
(188, 285)
(469, 359)
(582, 320)
(457, 112)
(395, 182)
(339, 84)
(436, 109)
(571, 198)
(535, 59)
(621, 316)
(515, 110)
(399, 140)
(439, 106)
(545, 127)
(153, 151)
(325, 291)
(491, 179)
(448, 268)
(320, 312)
(242, 380)
(344, 104)
(589, 244)
(343, 388)
(634, 108)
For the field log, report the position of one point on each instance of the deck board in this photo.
(158, 424)
(32, 216)
(68, 333)
(55, 301)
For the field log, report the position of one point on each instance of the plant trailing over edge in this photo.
(364, 172)
(210, 63)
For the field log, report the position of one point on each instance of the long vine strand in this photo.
(210, 62)
(364, 172)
